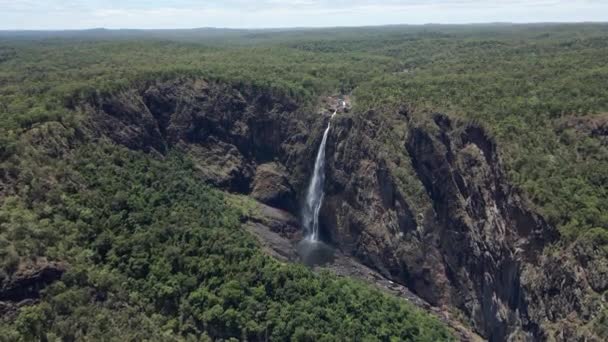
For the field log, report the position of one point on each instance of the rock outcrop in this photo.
(471, 235)
(29, 278)
(271, 186)
(23, 286)
(595, 126)
(240, 138)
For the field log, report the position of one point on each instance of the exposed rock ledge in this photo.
(24, 285)
(278, 231)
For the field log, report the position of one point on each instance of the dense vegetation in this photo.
(153, 254)
(156, 255)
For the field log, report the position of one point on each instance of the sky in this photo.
(157, 14)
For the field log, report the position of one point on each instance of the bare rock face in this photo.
(126, 119)
(470, 235)
(565, 290)
(23, 286)
(421, 200)
(276, 230)
(29, 278)
(227, 131)
(271, 186)
(485, 231)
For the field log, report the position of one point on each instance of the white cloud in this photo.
(74, 14)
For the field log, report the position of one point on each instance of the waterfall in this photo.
(315, 194)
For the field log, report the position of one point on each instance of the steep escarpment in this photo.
(242, 139)
(153, 250)
(486, 233)
(462, 243)
(421, 199)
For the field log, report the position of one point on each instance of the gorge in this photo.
(398, 183)
(462, 240)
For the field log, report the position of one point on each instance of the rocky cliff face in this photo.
(241, 139)
(565, 291)
(422, 200)
(467, 245)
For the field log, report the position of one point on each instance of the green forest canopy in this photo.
(162, 278)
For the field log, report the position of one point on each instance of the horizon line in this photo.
(308, 27)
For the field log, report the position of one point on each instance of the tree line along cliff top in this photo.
(525, 83)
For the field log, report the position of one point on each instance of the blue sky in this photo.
(79, 14)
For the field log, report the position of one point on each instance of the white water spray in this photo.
(315, 194)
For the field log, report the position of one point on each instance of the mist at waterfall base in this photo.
(311, 249)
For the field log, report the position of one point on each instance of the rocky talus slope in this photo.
(423, 200)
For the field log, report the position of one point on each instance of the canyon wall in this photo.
(422, 199)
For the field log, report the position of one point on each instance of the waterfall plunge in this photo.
(315, 194)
